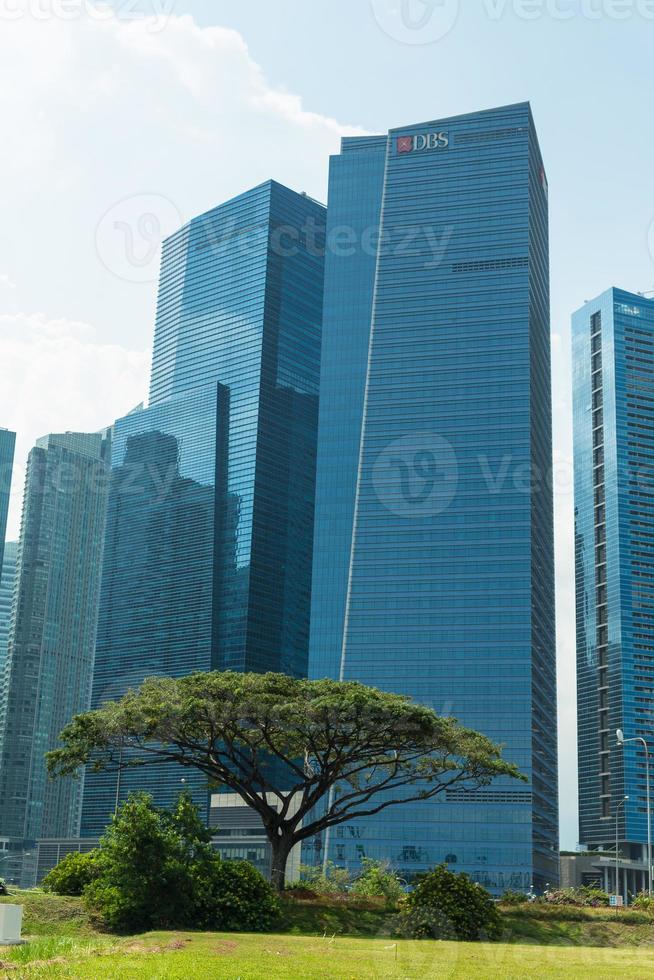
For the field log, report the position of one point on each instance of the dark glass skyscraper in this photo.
(7, 446)
(433, 562)
(209, 535)
(613, 374)
(49, 663)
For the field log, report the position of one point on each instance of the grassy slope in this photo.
(587, 928)
(334, 918)
(55, 916)
(51, 915)
(530, 924)
(539, 942)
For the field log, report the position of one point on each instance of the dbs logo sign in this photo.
(424, 141)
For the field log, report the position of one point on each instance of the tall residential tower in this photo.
(7, 447)
(433, 560)
(7, 582)
(613, 374)
(209, 534)
(49, 665)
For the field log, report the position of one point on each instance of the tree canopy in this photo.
(305, 755)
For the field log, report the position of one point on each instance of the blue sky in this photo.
(116, 129)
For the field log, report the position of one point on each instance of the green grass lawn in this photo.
(274, 957)
(332, 940)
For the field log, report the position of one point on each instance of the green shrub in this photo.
(514, 898)
(73, 874)
(235, 897)
(330, 880)
(146, 880)
(447, 905)
(377, 880)
(643, 903)
(111, 908)
(636, 918)
(158, 870)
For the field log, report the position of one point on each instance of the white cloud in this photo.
(98, 92)
(57, 376)
(6, 281)
(123, 126)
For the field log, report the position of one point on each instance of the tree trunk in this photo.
(281, 848)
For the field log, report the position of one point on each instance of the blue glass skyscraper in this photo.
(209, 535)
(7, 447)
(433, 561)
(7, 582)
(613, 374)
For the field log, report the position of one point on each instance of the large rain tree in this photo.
(306, 755)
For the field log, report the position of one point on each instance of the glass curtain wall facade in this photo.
(7, 447)
(449, 593)
(49, 662)
(209, 535)
(356, 180)
(7, 581)
(613, 373)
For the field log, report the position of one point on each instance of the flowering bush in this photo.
(583, 897)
